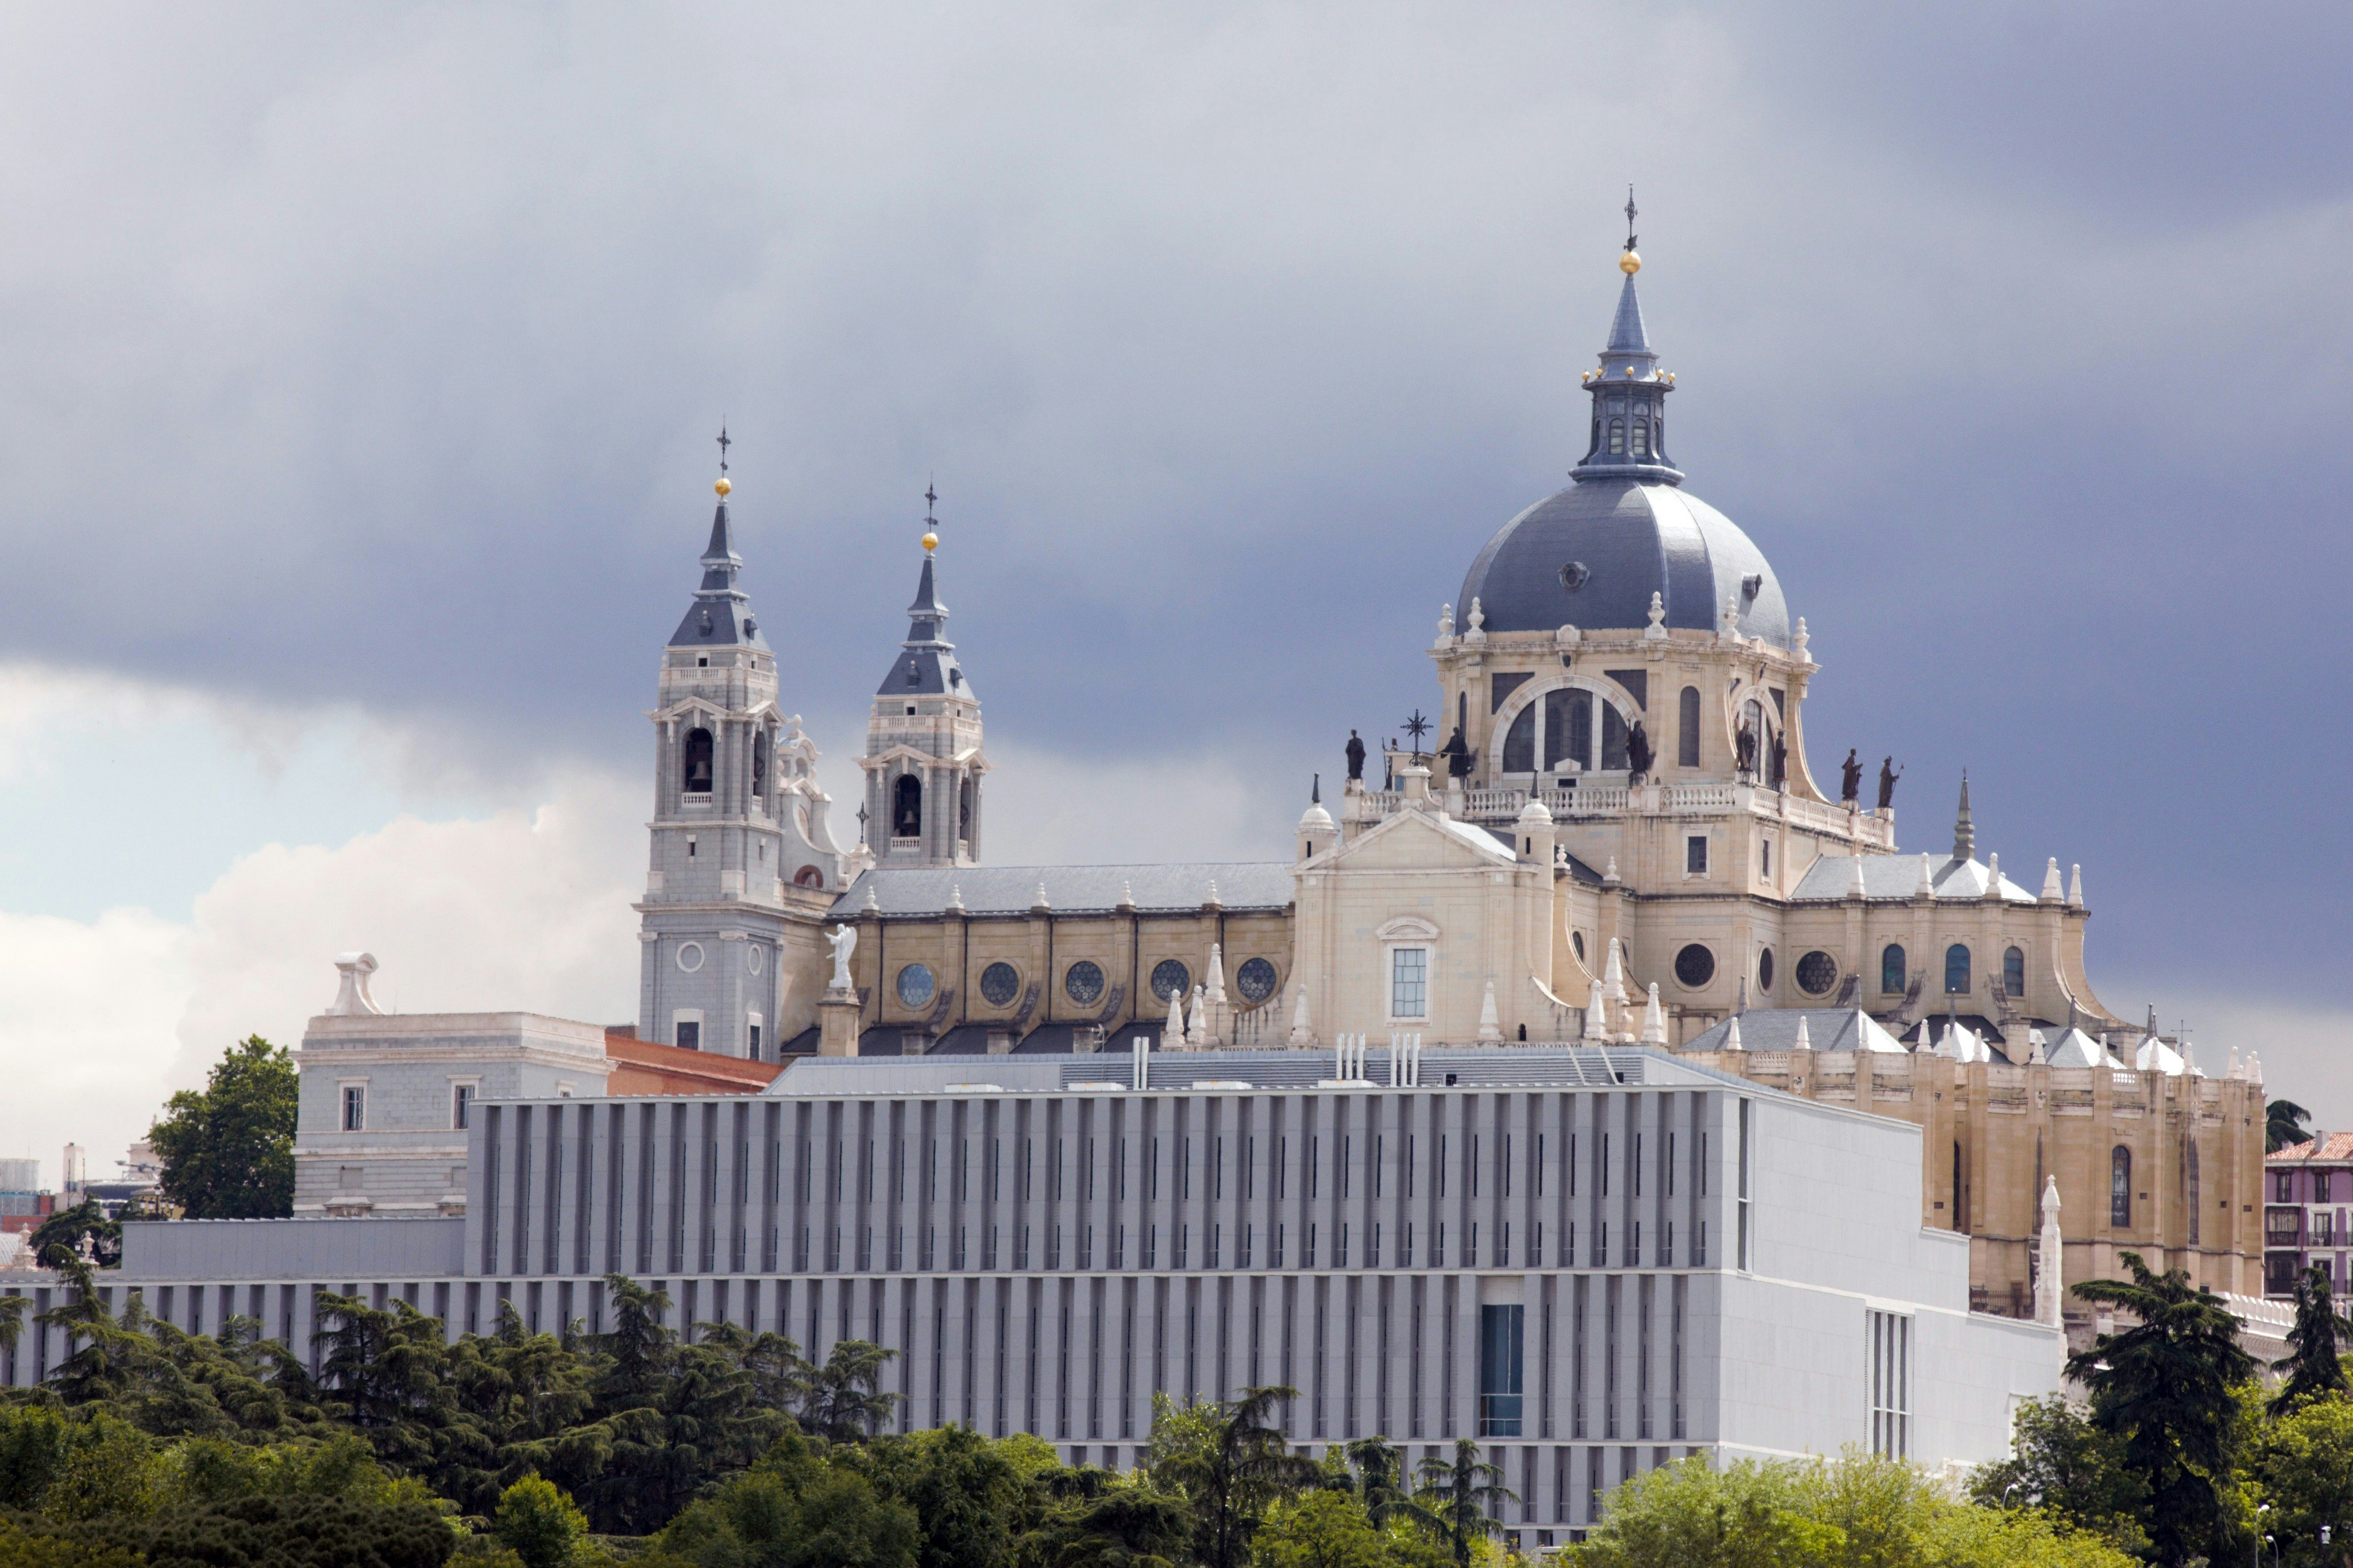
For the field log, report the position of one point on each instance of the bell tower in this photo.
(742, 867)
(923, 762)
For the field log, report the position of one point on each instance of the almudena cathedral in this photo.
(1590, 1081)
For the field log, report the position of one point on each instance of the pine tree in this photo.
(2313, 1366)
(2165, 1386)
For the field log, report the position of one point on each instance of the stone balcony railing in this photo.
(1869, 830)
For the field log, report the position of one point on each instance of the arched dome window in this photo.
(2013, 972)
(907, 807)
(695, 762)
(2120, 1186)
(1957, 968)
(1520, 742)
(1687, 728)
(1890, 968)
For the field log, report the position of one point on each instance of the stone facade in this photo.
(386, 1101)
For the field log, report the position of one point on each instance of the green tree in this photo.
(841, 1401)
(1229, 1464)
(228, 1149)
(1460, 1496)
(1130, 1524)
(2163, 1386)
(967, 1495)
(1380, 1466)
(2303, 1465)
(65, 1228)
(1323, 1529)
(2312, 1363)
(539, 1523)
(2071, 1470)
(21, 1548)
(1747, 1515)
(796, 1508)
(2283, 1122)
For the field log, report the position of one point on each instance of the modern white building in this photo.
(1594, 1260)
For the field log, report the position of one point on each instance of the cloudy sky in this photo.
(359, 366)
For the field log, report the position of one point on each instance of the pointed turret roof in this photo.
(1965, 833)
(720, 616)
(928, 667)
(1627, 335)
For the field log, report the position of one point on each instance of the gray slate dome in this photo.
(1621, 540)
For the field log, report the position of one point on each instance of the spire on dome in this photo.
(1629, 392)
(1965, 833)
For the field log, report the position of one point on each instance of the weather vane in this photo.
(1629, 217)
(723, 444)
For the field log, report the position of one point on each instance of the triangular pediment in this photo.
(1420, 841)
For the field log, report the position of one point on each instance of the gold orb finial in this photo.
(724, 485)
(930, 542)
(1629, 263)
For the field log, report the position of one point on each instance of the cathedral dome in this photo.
(1591, 556)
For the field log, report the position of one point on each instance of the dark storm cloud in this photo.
(376, 353)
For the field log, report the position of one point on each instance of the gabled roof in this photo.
(1827, 1029)
(1898, 877)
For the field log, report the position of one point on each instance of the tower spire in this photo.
(1629, 390)
(1965, 833)
(721, 615)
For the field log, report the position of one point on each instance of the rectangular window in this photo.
(1891, 1383)
(753, 1041)
(2283, 1188)
(1695, 855)
(2320, 1186)
(1409, 983)
(1765, 857)
(1500, 1332)
(689, 1035)
(1745, 1227)
(355, 1108)
(461, 1106)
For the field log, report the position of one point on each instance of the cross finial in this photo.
(1630, 210)
(931, 502)
(723, 444)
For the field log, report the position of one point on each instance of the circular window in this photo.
(1765, 970)
(1816, 972)
(1255, 980)
(999, 982)
(752, 958)
(690, 956)
(1171, 978)
(1083, 982)
(1695, 966)
(1575, 575)
(915, 985)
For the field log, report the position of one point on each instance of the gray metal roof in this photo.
(720, 616)
(1775, 1029)
(927, 666)
(1254, 885)
(1898, 877)
(1633, 539)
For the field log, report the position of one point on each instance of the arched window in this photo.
(1616, 436)
(2120, 1186)
(1520, 742)
(759, 761)
(695, 771)
(1641, 437)
(964, 808)
(2190, 1157)
(907, 807)
(1613, 738)
(1960, 1202)
(1687, 728)
(2013, 972)
(809, 877)
(1890, 968)
(1957, 968)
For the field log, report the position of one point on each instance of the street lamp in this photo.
(2256, 1549)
